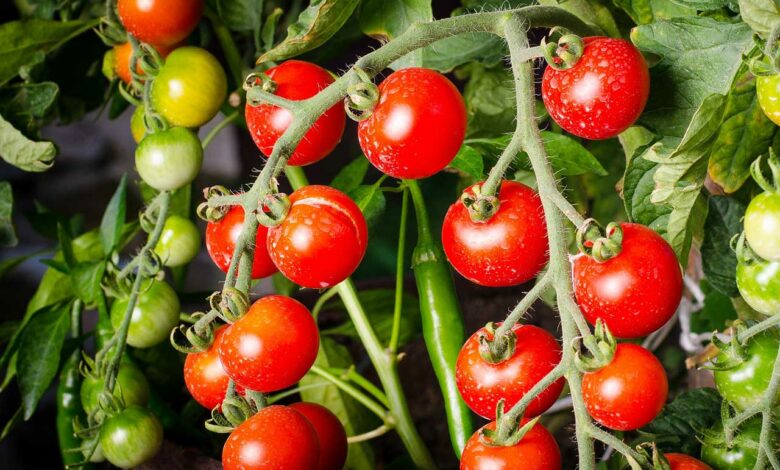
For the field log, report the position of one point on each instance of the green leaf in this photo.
(452, 52)
(8, 265)
(7, 232)
(717, 312)
(568, 157)
(649, 11)
(469, 162)
(86, 279)
(241, 15)
(355, 418)
(490, 100)
(39, 354)
(316, 24)
(22, 152)
(593, 12)
(638, 186)
(351, 175)
(371, 201)
(25, 105)
(387, 19)
(724, 221)
(761, 15)
(114, 218)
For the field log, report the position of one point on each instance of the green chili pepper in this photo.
(442, 320)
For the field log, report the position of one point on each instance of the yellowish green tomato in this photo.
(179, 241)
(768, 90)
(762, 225)
(169, 159)
(155, 314)
(759, 285)
(137, 127)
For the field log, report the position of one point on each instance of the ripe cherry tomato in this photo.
(482, 384)
(272, 346)
(536, 450)
(276, 437)
(768, 90)
(131, 437)
(131, 386)
(685, 462)
(508, 249)
(759, 282)
(190, 87)
(121, 60)
(744, 385)
(330, 434)
(762, 225)
(221, 238)
(169, 159)
(322, 239)
(634, 293)
(204, 375)
(417, 126)
(297, 80)
(603, 94)
(179, 241)
(160, 22)
(155, 314)
(743, 452)
(627, 393)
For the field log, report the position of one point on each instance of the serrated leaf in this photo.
(724, 221)
(469, 162)
(648, 11)
(241, 15)
(315, 25)
(638, 186)
(447, 54)
(490, 100)
(86, 279)
(371, 201)
(593, 12)
(7, 232)
(761, 15)
(387, 19)
(22, 152)
(25, 105)
(568, 157)
(351, 175)
(114, 218)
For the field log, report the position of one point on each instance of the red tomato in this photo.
(684, 462)
(330, 433)
(634, 293)
(277, 437)
(221, 238)
(417, 126)
(204, 375)
(297, 80)
(509, 249)
(272, 346)
(122, 55)
(160, 22)
(629, 392)
(603, 94)
(322, 240)
(482, 384)
(537, 450)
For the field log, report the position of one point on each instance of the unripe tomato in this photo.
(272, 346)
(322, 239)
(204, 375)
(603, 94)
(131, 437)
(482, 384)
(759, 283)
(627, 393)
(160, 22)
(330, 434)
(169, 159)
(634, 293)
(768, 90)
(685, 462)
(743, 451)
(179, 241)
(131, 385)
(155, 314)
(137, 126)
(277, 437)
(417, 126)
(221, 238)
(744, 385)
(762, 225)
(537, 450)
(508, 249)
(122, 55)
(297, 80)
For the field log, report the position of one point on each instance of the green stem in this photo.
(354, 392)
(367, 436)
(353, 376)
(327, 295)
(218, 128)
(399, 276)
(525, 303)
(760, 327)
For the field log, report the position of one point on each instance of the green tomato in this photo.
(744, 385)
(131, 437)
(759, 285)
(768, 89)
(155, 314)
(190, 87)
(131, 386)
(179, 242)
(169, 159)
(137, 126)
(762, 225)
(742, 453)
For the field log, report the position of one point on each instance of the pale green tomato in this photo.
(762, 225)
(156, 313)
(179, 241)
(759, 285)
(768, 90)
(169, 159)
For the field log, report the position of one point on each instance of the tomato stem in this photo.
(399, 275)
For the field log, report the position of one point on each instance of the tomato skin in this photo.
(768, 90)
(137, 126)
(322, 240)
(221, 238)
(131, 437)
(762, 225)
(330, 433)
(297, 80)
(629, 392)
(272, 346)
(685, 462)
(759, 283)
(403, 136)
(744, 385)
(131, 385)
(179, 241)
(153, 21)
(482, 384)
(155, 314)
(616, 290)
(603, 94)
(537, 450)
(204, 375)
(509, 249)
(743, 452)
(190, 87)
(122, 55)
(169, 159)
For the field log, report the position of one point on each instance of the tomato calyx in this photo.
(208, 212)
(233, 411)
(565, 51)
(600, 347)
(772, 185)
(767, 63)
(198, 337)
(599, 244)
(230, 303)
(361, 98)
(732, 354)
(496, 349)
(481, 206)
(508, 432)
(274, 208)
(256, 82)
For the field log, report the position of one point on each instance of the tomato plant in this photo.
(179, 241)
(740, 453)
(741, 385)
(330, 434)
(131, 437)
(221, 238)
(537, 449)
(758, 283)
(169, 159)
(762, 225)
(153, 316)
(131, 386)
